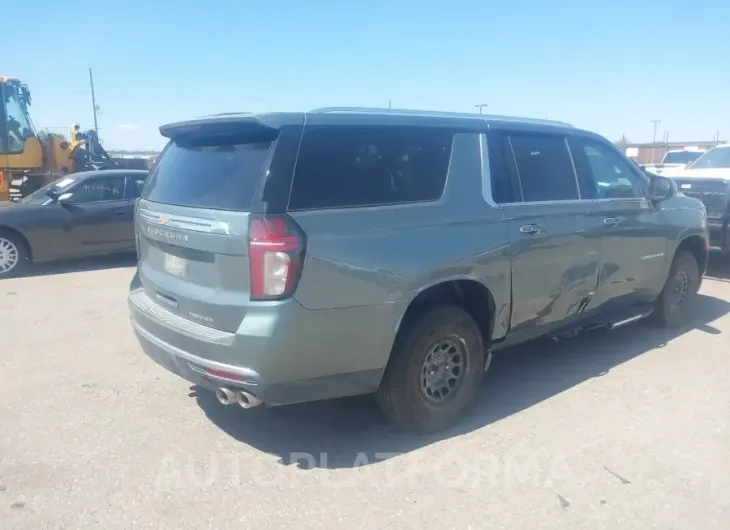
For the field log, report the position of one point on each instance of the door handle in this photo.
(612, 221)
(532, 230)
(119, 212)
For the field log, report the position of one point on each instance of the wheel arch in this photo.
(697, 245)
(471, 295)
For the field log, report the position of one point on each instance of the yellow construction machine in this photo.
(29, 161)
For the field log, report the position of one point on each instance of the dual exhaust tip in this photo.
(226, 396)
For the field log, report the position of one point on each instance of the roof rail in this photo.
(223, 114)
(360, 110)
(537, 121)
(435, 113)
(400, 112)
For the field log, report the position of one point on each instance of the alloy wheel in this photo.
(680, 288)
(9, 255)
(443, 369)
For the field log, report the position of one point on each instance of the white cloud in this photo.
(129, 127)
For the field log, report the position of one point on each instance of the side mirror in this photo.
(64, 198)
(661, 188)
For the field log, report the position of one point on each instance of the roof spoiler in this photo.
(230, 123)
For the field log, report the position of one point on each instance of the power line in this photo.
(93, 102)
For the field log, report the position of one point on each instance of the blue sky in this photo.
(607, 66)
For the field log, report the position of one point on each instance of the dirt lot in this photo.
(627, 429)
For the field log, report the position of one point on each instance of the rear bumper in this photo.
(282, 353)
(192, 367)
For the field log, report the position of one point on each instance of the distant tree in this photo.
(622, 142)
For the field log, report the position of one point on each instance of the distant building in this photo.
(134, 159)
(653, 152)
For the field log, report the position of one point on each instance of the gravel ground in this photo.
(626, 429)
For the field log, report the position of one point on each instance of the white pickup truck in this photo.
(674, 162)
(708, 179)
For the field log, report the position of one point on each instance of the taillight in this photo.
(2, 179)
(276, 252)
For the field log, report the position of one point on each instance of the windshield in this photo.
(717, 157)
(40, 196)
(18, 124)
(681, 157)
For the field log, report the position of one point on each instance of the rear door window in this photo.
(544, 166)
(340, 167)
(220, 173)
(505, 180)
(681, 157)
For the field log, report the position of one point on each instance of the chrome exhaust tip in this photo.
(248, 401)
(225, 396)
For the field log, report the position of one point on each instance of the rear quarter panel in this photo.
(387, 255)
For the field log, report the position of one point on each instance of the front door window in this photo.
(100, 189)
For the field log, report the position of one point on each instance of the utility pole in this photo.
(480, 106)
(656, 125)
(93, 102)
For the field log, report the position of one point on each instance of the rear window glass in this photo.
(219, 173)
(681, 157)
(342, 167)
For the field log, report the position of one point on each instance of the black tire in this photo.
(14, 250)
(402, 395)
(675, 304)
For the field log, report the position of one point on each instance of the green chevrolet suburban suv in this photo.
(290, 257)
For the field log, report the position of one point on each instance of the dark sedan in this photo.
(83, 214)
